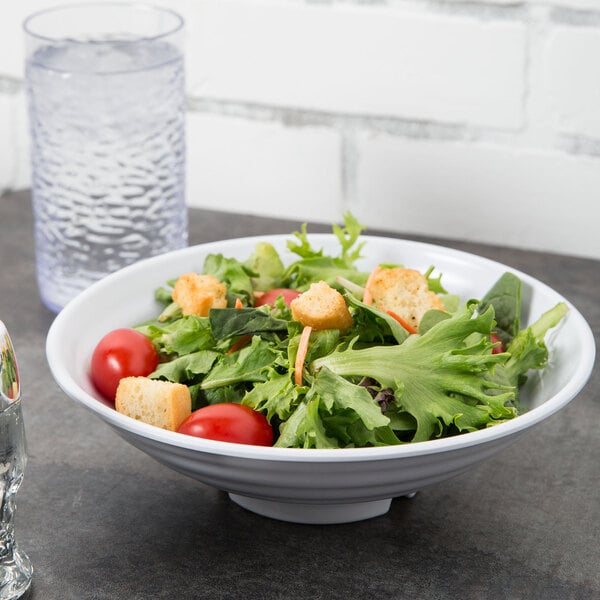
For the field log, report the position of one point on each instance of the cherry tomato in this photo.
(121, 353)
(270, 296)
(496, 340)
(227, 422)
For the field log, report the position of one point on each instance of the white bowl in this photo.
(315, 486)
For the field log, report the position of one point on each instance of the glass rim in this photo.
(178, 26)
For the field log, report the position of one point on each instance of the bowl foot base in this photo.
(313, 514)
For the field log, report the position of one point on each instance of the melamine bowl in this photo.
(315, 486)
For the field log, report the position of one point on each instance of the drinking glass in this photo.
(105, 84)
(15, 567)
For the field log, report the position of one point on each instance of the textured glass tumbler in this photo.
(15, 568)
(106, 91)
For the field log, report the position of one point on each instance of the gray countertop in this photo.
(100, 519)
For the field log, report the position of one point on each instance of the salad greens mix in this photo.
(372, 384)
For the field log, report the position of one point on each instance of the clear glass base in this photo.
(15, 575)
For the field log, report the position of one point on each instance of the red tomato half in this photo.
(121, 353)
(227, 422)
(270, 296)
(496, 340)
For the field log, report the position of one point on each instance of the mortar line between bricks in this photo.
(517, 10)
(526, 97)
(348, 168)
(471, 8)
(344, 124)
(563, 15)
(579, 145)
(398, 126)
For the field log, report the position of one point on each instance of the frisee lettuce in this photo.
(313, 265)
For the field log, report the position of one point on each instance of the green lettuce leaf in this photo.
(336, 392)
(266, 266)
(232, 273)
(305, 428)
(301, 274)
(182, 336)
(434, 283)
(187, 368)
(336, 413)
(372, 325)
(436, 377)
(277, 396)
(349, 236)
(528, 349)
(245, 365)
(315, 266)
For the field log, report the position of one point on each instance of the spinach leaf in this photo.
(231, 322)
(505, 297)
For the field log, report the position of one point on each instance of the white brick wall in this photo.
(472, 119)
(480, 188)
(573, 80)
(362, 59)
(264, 166)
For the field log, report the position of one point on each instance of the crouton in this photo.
(197, 294)
(160, 403)
(321, 307)
(404, 292)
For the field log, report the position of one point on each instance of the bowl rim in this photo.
(179, 442)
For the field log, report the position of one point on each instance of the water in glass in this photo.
(107, 124)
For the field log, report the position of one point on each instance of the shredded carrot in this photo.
(367, 297)
(301, 354)
(239, 343)
(402, 321)
(244, 339)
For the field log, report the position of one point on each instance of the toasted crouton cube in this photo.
(404, 292)
(160, 403)
(321, 307)
(197, 294)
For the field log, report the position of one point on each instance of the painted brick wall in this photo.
(475, 119)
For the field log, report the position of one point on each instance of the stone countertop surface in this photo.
(102, 520)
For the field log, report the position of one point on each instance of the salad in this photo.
(377, 374)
